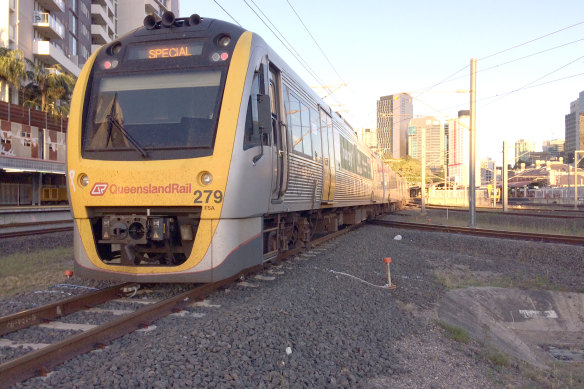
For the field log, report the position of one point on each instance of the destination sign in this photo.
(170, 49)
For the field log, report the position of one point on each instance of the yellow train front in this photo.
(181, 167)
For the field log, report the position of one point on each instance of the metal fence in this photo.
(15, 194)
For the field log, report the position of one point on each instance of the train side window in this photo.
(295, 122)
(315, 133)
(306, 138)
(252, 135)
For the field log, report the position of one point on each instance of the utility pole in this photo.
(472, 133)
(423, 185)
(494, 184)
(505, 178)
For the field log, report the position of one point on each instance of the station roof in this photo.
(15, 164)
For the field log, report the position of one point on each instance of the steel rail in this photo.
(18, 234)
(527, 212)
(41, 361)
(66, 307)
(575, 240)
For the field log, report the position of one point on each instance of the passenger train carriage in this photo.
(194, 152)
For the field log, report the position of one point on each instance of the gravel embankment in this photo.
(311, 327)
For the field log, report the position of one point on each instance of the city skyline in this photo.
(529, 64)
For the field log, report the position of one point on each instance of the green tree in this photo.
(12, 67)
(410, 169)
(49, 89)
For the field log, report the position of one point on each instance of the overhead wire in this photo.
(530, 41)
(534, 81)
(287, 45)
(224, 10)
(315, 42)
(449, 78)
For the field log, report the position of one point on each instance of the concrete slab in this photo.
(537, 326)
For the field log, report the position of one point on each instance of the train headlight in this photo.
(84, 180)
(224, 41)
(206, 178)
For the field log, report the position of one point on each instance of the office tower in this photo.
(393, 115)
(434, 131)
(575, 128)
(459, 151)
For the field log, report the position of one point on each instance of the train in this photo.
(194, 152)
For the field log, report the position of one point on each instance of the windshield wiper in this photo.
(114, 122)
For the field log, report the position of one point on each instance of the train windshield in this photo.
(154, 116)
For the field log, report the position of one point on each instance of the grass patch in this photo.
(454, 279)
(33, 270)
(497, 358)
(455, 333)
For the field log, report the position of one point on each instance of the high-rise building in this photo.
(393, 115)
(104, 20)
(522, 149)
(112, 18)
(555, 147)
(48, 32)
(434, 133)
(369, 137)
(459, 151)
(575, 128)
(131, 13)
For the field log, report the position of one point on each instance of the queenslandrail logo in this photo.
(99, 189)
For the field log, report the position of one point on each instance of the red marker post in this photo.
(389, 285)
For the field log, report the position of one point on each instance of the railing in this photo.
(32, 117)
(44, 19)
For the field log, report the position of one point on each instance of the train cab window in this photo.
(252, 135)
(153, 115)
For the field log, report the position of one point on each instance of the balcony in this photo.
(53, 5)
(48, 25)
(99, 15)
(53, 55)
(99, 35)
(152, 7)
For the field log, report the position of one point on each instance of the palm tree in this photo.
(12, 67)
(50, 89)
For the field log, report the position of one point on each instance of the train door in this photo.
(328, 156)
(279, 144)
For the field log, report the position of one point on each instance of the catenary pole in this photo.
(472, 139)
(505, 186)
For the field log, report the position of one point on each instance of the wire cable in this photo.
(533, 82)
(292, 51)
(359, 279)
(224, 10)
(530, 41)
(316, 43)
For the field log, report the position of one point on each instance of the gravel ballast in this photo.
(322, 320)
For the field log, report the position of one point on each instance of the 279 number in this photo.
(206, 196)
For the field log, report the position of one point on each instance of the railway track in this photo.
(27, 229)
(26, 221)
(43, 360)
(549, 213)
(575, 240)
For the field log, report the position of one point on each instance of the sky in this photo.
(530, 57)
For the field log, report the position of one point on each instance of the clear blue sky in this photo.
(384, 47)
